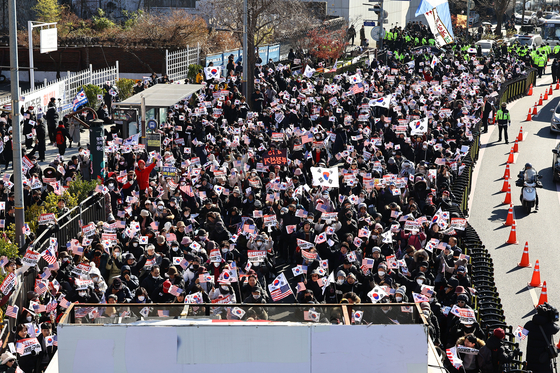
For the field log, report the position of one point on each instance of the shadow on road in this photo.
(546, 134)
(531, 313)
(526, 288)
(516, 268)
(545, 115)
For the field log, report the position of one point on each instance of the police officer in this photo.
(503, 117)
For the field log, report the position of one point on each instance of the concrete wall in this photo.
(241, 347)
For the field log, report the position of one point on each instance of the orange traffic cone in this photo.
(510, 158)
(536, 279)
(506, 173)
(530, 93)
(525, 257)
(550, 90)
(543, 298)
(540, 100)
(505, 186)
(535, 109)
(557, 87)
(520, 136)
(509, 220)
(529, 117)
(512, 240)
(516, 146)
(545, 96)
(507, 200)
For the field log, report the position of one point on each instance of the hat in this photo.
(201, 232)
(424, 306)
(256, 290)
(462, 297)
(459, 290)
(424, 264)
(376, 249)
(160, 240)
(6, 356)
(457, 252)
(117, 284)
(141, 162)
(499, 333)
(340, 274)
(144, 213)
(461, 269)
(172, 271)
(166, 286)
(382, 265)
(31, 295)
(401, 290)
(352, 275)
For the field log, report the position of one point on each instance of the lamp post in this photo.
(14, 77)
(245, 50)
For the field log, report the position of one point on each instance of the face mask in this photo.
(339, 282)
(155, 277)
(29, 318)
(424, 147)
(135, 244)
(256, 296)
(82, 293)
(310, 220)
(141, 298)
(224, 250)
(160, 207)
(259, 243)
(385, 310)
(196, 266)
(175, 248)
(386, 125)
(111, 186)
(224, 287)
(419, 282)
(398, 299)
(216, 265)
(381, 273)
(95, 279)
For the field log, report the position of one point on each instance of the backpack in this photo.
(60, 140)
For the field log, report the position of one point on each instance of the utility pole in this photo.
(468, 19)
(14, 77)
(245, 60)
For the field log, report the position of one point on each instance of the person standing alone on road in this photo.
(60, 136)
(503, 117)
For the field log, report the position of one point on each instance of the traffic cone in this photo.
(540, 101)
(520, 136)
(543, 298)
(530, 93)
(505, 186)
(536, 279)
(525, 257)
(535, 109)
(557, 87)
(509, 220)
(506, 173)
(529, 117)
(545, 96)
(507, 200)
(550, 90)
(512, 240)
(516, 146)
(510, 158)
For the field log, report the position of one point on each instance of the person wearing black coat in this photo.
(47, 352)
(538, 359)
(555, 71)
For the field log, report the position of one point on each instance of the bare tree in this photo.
(500, 7)
(266, 21)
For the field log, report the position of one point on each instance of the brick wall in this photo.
(79, 58)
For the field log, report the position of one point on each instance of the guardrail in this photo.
(88, 210)
(516, 88)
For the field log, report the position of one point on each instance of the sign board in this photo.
(169, 171)
(41, 97)
(369, 23)
(153, 142)
(126, 119)
(152, 124)
(49, 40)
(275, 157)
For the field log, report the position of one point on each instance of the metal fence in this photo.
(177, 62)
(91, 209)
(517, 88)
(66, 88)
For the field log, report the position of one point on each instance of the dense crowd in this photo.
(320, 188)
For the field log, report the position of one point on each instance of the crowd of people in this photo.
(353, 207)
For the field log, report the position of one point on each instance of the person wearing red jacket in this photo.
(143, 175)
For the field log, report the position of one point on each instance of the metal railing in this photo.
(517, 88)
(88, 314)
(177, 62)
(91, 209)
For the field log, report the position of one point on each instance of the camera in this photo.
(548, 311)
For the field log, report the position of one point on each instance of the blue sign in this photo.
(369, 23)
(152, 124)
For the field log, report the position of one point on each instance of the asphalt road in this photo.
(539, 229)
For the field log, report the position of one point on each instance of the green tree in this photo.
(91, 91)
(126, 88)
(48, 10)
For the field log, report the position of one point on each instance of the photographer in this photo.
(540, 346)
